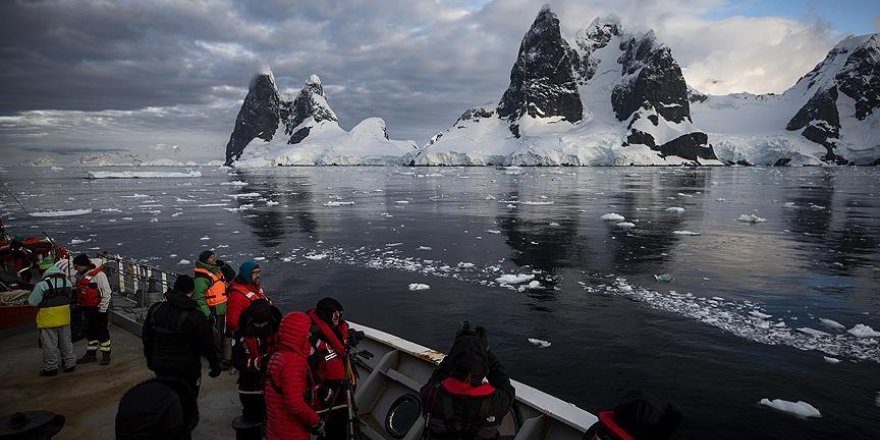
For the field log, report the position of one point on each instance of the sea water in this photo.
(711, 288)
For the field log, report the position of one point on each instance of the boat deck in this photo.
(89, 396)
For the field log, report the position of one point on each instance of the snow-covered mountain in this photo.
(615, 98)
(304, 130)
(608, 98)
(831, 115)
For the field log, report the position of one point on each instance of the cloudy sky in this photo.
(142, 76)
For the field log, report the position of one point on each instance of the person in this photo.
(246, 288)
(53, 295)
(330, 363)
(254, 344)
(93, 302)
(160, 408)
(639, 416)
(210, 295)
(288, 387)
(22, 258)
(469, 393)
(175, 336)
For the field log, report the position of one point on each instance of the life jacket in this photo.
(608, 429)
(216, 294)
(441, 420)
(87, 293)
(244, 289)
(56, 296)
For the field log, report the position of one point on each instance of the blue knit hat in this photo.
(246, 271)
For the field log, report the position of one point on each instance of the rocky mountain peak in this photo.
(258, 116)
(542, 84)
(598, 33)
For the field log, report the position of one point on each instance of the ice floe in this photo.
(540, 343)
(675, 210)
(68, 213)
(612, 217)
(626, 225)
(184, 261)
(235, 183)
(751, 218)
(333, 203)
(863, 331)
(514, 278)
(141, 174)
(798, 409)
(832, 324)
(689, 233)
(831, 360)
(418, 286)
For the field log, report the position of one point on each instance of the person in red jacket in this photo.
(288, 414)
(330, 363)
(244, 290)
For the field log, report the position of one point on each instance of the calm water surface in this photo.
(738, 322)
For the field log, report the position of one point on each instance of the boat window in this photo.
(403, 415)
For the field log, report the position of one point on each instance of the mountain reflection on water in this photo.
(363, 235)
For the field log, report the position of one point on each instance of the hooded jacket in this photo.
(241, 294)
(101, 282)
(288, 415)
(56, 316)
(202, 286)
(176, 336)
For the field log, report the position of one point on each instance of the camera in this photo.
(355, 337)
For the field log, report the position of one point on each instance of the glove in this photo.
(318, 429)
(220, 263)
(215, 371)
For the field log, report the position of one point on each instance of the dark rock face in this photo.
(258, 117)
(542, 82)
(304, 106)
(821, 120)
(692, 146)
(860, 78)
(474, 114)
(658, 82)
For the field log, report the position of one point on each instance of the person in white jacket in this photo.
(93, 301)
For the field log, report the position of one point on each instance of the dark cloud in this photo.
(134, 74)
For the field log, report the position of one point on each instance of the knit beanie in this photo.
(184, 284)
(246, 271)
(203, 257)
(326, 307)
(82, 260)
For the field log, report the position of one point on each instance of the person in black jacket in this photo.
(469, 393)
(160, 408)
(176, 334)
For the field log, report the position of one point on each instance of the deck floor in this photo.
(89, 396)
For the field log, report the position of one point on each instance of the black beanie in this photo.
(326, 307)
(82, 260)
(203, 257)
(184, 284)
(469, 356)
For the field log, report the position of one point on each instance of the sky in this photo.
(167, 78)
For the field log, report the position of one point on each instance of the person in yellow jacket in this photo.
(52, 295)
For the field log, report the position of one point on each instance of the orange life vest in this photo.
(87, 293)
(216, 294)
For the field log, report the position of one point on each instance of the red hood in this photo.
(294, 333)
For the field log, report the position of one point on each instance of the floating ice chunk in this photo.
(212, 205)
(626, 225)
(540, 342)
(832, 324)
(255, 258)
(110, 210)
(812, 332)
(831, 360)
(863, 331)
(686, 233)
(140, 174)
(244, 195)
(184, 261)
(177, 214)
(335, 203)
(154, 220)
(205, 238)
(511, 205)
(798, 409)
(69, 213)
(316, 257)
(424, 248)
(393, 244)
(758, 314)
(271, 203)
(554, 224)
(172, 256)
(465, 265)
(78, 241)
(418, 286)
(751, 218)
(235, 183)
(402, 202)
(514, 278)
(493, 231)
(127, 219)
(816, 207)
(664, 277)
(534, 284)
(490, 197)
(675, 210)
(790, 205)
(612, 216)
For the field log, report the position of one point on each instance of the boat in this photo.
(391, 371)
